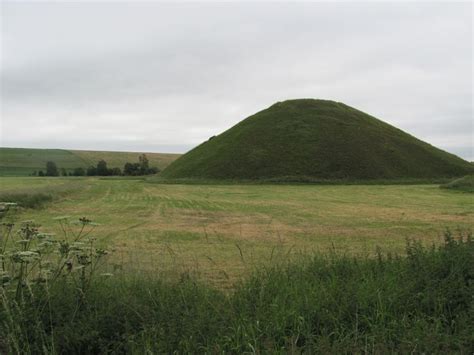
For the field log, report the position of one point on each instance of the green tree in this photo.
(131, 169)
(144, 164)
(102, 169)
(115, 171)
(79, 172)
(51, 169)
(91, 171)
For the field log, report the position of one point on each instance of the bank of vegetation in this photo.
(464, 184)
(38, 196)
(140, 168)
(24, 161)
(56, 298)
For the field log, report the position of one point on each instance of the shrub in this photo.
(79, 172)
(27, 199)
(115, 172)
(131, 169)
(153, 170)
(140, 168)
(91, 171)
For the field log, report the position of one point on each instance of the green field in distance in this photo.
(23, 161)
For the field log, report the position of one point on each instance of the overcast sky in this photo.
(164, 77)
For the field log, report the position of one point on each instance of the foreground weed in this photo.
(32, 259)
(33, 262)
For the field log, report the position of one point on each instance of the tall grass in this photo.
(27, 200)
(464, 184)
(39, 196)
(421, 302)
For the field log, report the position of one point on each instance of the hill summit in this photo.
(315, 139)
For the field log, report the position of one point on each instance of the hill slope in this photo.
(315, 139)
(23, 161)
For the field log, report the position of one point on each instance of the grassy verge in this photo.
(41, 191)
(27, 200)
(464, 184)
(295, 180)
(419, 303)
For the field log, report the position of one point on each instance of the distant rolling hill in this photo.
(23, 161)
(314, 139)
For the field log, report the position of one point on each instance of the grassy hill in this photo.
(314, 139)
(23, 161)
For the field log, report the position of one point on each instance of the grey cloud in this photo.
(168, 76)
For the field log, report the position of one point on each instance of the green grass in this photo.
(421, 303)
(23, 161)
(38, 191)
(307, 140)
(465, 184)
(20, 161)
(220, 233)
(252, 269)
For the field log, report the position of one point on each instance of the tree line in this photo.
(141, 167)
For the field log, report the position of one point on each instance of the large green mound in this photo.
(315, 139)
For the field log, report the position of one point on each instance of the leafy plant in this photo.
(31, 259)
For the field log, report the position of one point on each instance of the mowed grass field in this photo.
(23, 161)
(220, 233)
